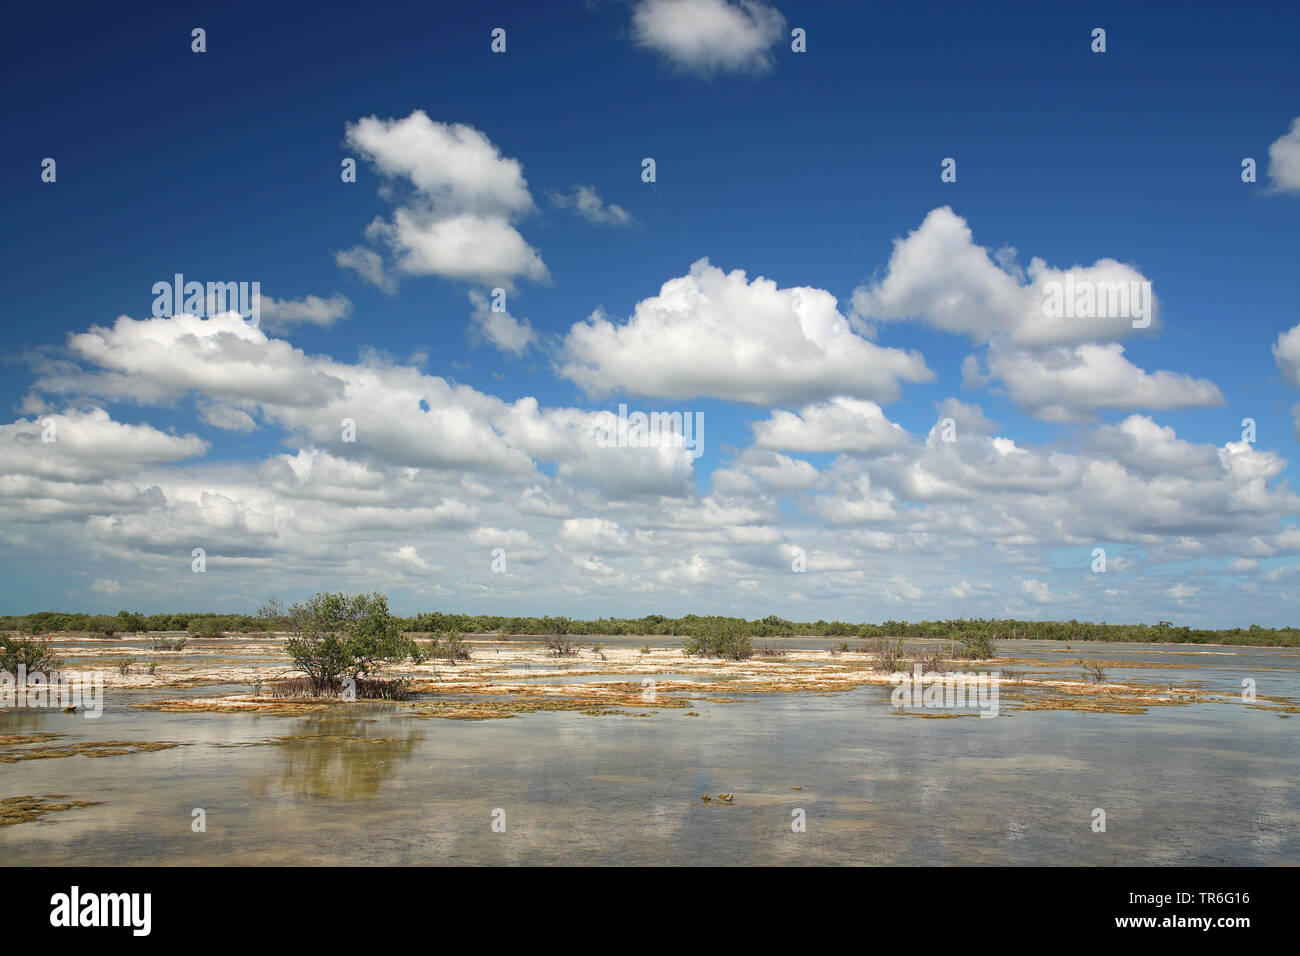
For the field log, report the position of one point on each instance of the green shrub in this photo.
(338, 636)
(979, 646)
(34, 653)
(719, 638)
(205, 627)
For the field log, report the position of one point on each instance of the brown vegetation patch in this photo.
(506, 679)
(13, 740)
(89, 748)
(317, 738)
(518, 703)
(262, 707)
(25, 809)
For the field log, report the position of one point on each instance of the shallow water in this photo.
(1205, 783)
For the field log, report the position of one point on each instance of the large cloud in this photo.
(939, 276)
(901, 526)
(220, 357)
(716, 334)
(1070, 384)
(839, 425)
(399, 415)
(1059, 361)
(457, 221)
(441, 475)
(84, 445)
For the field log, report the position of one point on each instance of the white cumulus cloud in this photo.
(710, 36)
(711, 333)
(458, 219)
(1284, 160)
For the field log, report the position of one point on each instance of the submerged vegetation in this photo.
(700, 629)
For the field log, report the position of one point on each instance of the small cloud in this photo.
(500, 328)
(226, 417)
(407, 557)
(106, 586)
(457, 220)
(1037, 591)
(313, 310)
(1284, 160)
(367, 264)
(708, 36)
(587, 203)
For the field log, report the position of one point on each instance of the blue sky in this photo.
(803, 168)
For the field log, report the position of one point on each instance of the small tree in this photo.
(719, 637)
(979, 645)
(337, 636)
(34, 653)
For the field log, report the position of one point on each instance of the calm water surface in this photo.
(1197, 784)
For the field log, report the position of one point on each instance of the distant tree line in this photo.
(659, 625)
(131, 622)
